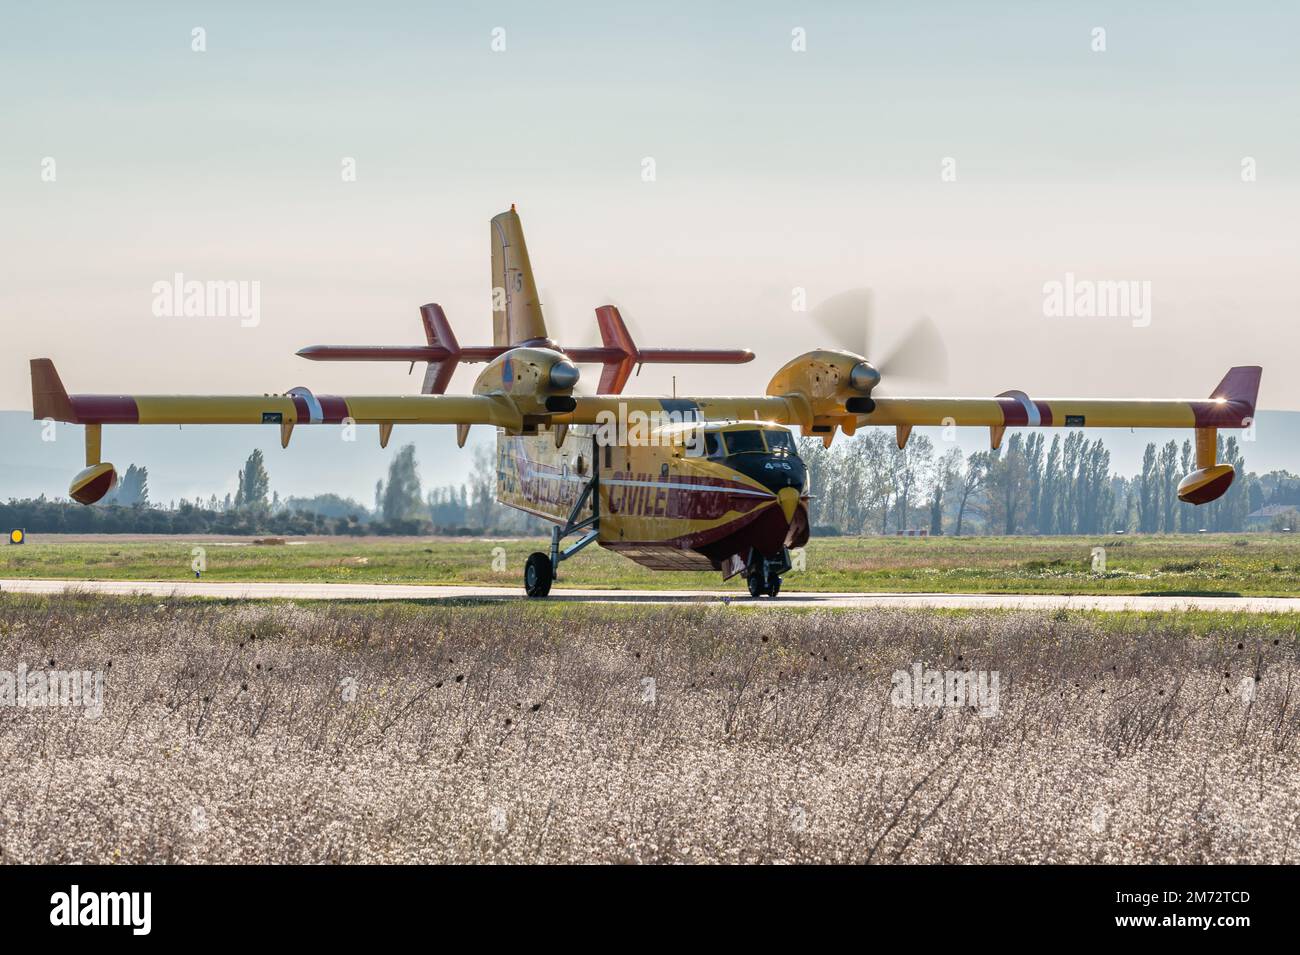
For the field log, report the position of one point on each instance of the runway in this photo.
(231, 590)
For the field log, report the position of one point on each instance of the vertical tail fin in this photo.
(437, 331)
(614, 335)
(516, 310)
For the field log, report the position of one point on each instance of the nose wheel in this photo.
(765, 574)
(758, 587)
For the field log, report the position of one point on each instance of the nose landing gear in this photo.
(764, 573)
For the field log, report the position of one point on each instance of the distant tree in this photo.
(1255, 494)
(1149, 493)
(936, 510)
(1034, 479)
(1095, 496)
(973, 481)
(483, 482)
(326, 505)
(1235, 503)
(1047, 518)
(817, 459)
(253, 484)
(1286, 521)
(946, 471)
(132, 490)
(1008, 484)
(1069, 501)
(402, 499)
(1168, 485)
(1123, 502)
(1185, 514)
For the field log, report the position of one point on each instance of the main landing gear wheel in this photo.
(759, 587)
(538, 575)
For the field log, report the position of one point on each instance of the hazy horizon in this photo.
(774, 170)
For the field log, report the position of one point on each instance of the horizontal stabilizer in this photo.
(618, 353)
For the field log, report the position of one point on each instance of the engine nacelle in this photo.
(93, 483)
(1206, 484)
(828, 389)
(537, 381)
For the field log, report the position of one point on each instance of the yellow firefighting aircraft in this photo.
(672, 483)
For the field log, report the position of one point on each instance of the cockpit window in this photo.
(780, 441)
(712, 447)
(742, 442)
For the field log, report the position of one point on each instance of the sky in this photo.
(954, 158)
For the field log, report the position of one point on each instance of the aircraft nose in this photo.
(788, 498)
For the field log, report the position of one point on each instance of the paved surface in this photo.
(317, 591)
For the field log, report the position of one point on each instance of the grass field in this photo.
(248, 732)
(1247, 564)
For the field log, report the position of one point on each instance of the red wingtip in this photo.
(1241, 385)
(49, 397)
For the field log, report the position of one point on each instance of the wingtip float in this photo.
(673, 483)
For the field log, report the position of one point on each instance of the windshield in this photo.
(779, 441)
(743, 442)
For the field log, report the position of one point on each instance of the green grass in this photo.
(1225, 564)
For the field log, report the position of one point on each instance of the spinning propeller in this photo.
(918, 355)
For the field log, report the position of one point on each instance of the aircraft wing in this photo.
(820, 392)
(1016, 411)
(1230, 405)
(299, 406)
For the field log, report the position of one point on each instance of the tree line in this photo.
(401, 506)
(868, 485)
(865, 484)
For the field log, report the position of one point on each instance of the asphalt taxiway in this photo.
(293, 590)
